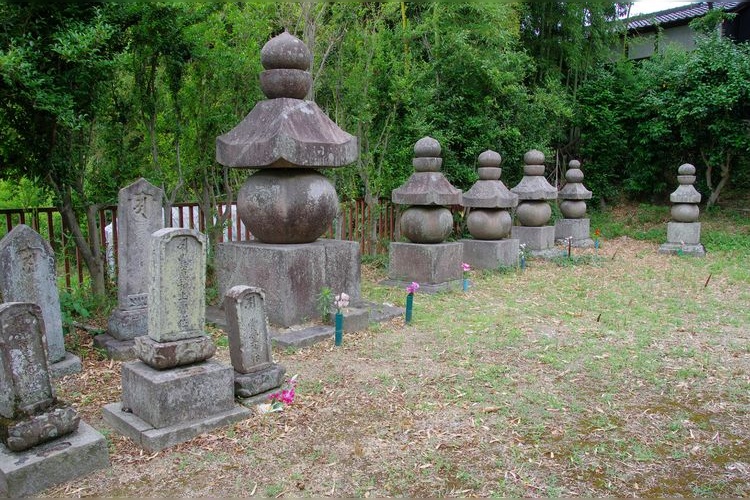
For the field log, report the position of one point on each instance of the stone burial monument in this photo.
(574, 224)
(489, 221)
(139, 214)
(427, 258)
(174, 391)
(44, 441)
(533, 211)
(287, 204)
(255, 373)
(684, 230)
(27, 274)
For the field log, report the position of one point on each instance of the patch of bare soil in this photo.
(536, 395)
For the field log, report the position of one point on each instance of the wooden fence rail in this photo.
(373, 227)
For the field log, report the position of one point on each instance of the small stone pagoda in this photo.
(426, 223)
(574, 225)
(287, 204)
(489, 220)
(684, 230)
(533, 211)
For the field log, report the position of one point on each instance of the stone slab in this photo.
(679, 249)
(119, 350)
(304, 337)
(247, 385)
(75, 455)
(247, 329)
(165, 355)
(156, 439)
(686, 233)
(171, 397)
(578, 229)
(490, 254)
(68, 365)
(355, 319)
(258, 399)
(427, 287)
(128, 324)
(427, 264)
(535, 238)
(292, 276)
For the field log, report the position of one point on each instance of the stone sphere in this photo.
(685, 212)
(426, 224)
(490, 158)
(533, 157)
(533, 213)
(287, 205)
(573, 209)
(427, 146)
(285, 52)
(574, 175)
(489, 224)
(293, 83)
(686, 169)
(574, 164)
(533, 170)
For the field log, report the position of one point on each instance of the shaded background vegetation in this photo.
(95, 95)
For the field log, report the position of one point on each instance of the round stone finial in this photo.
(285, 52)
(574, 164)
(490, 158)
(574, 174)
(533, 157)
(686, 169)
(427, 147)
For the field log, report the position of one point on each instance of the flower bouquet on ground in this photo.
(278, 400)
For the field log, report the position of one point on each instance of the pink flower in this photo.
(413, 287)
(465, 267)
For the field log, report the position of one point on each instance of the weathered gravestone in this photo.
(27, 274)
(44, 441)
(489, 221)
(427, 258)
(287, 204)
(139, 214)
(533, 211)
(250, 343)
(684, 230)
(175, 391)
(574, 225)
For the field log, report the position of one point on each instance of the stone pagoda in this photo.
(287, 204)
(426, 223)
(684, 230)
(489, 221)
(533, 211)
(575, 224)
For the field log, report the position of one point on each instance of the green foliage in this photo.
(325, 303)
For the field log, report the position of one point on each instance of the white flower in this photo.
(341, 300)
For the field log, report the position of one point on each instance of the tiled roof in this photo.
(684, 13)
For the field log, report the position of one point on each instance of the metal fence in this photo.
(374, 227)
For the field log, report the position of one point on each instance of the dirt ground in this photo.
(600, 378)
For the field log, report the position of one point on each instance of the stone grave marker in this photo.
(250, 343)
(174, 391)
(139, 210)
(43, 440)
(27, 274)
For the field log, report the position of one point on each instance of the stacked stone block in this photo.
(533, 211)
(684, 230)
(574, 224)
(489, 220)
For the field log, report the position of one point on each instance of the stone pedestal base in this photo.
(490, 254)
(684, 233)
(427, 264)
(355, 319)
(28, 472)
(535, 238)
(120, 350)
(127, 324)
(167, 407)
(292, 276)
(247, 385)
(680, 249)
(165, 355)
(578, 229)
(69, 364)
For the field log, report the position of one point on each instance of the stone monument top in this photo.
(574, 189)
(427, 185)
(286, 131)
(533, 185)
(489, 191)
(685, 192)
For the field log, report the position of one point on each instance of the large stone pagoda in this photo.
(489, 221)
(287, 204)
(427, 258)
(684, 230)
(574, 224)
